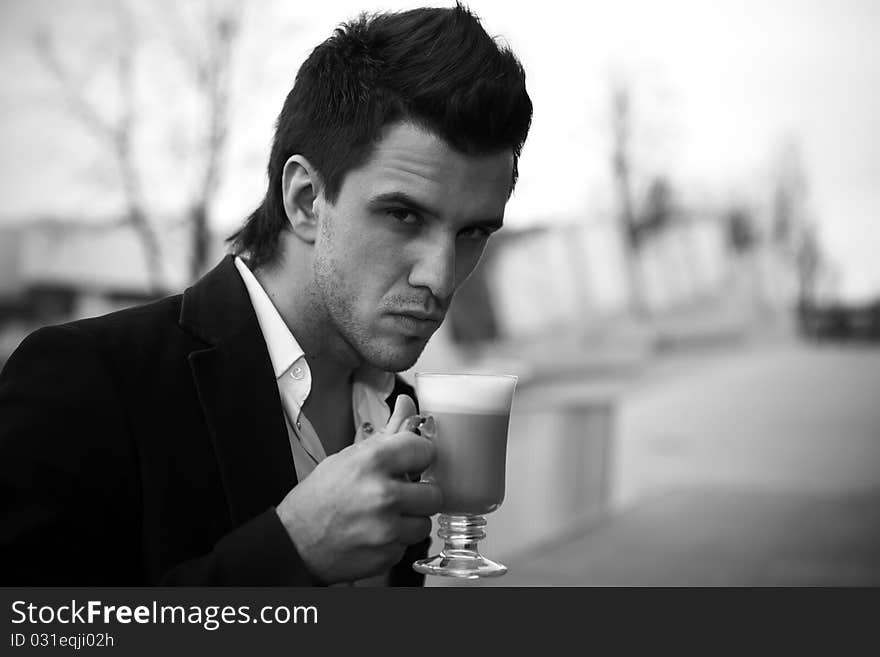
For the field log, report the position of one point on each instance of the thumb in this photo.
(404, 407)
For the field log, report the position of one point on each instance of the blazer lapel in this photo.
(238, 393)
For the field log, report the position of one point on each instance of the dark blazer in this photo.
(148, 447)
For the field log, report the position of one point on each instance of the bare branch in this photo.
(213, 75)
(77, 102)
(118, 133)
(203, 35)
(175, 30)
(225, 26)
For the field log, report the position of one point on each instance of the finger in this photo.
(411, 530)
(418, 498)
(404, 407)
(412, 424)
(404, 452)
(383, 557)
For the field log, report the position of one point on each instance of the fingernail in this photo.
(412, 423)
(428, 428)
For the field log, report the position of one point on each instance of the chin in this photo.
(396, 356)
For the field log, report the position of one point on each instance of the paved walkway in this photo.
(717, 537)
(758, 466)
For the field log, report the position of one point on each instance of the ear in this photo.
(300, 186)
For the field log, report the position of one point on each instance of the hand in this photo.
(354, 515)
(405, 419)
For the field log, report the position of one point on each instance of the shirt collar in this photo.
(283, 348)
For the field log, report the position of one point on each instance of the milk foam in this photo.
(465, 393)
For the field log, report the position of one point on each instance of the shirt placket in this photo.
(297, 384)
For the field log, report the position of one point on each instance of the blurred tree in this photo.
(639, 223)
(740, 229)
(795, 239)
(116, 132)
(204, 45)
(809, 264)
(789, 197)
(621, 124)
(657, 214)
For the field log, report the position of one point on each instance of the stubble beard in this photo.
(339, 303)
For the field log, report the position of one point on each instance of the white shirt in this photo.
(369, 390)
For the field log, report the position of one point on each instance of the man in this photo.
(251, 430)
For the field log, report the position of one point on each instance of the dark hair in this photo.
(435, 67)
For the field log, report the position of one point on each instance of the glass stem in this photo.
(461, 533)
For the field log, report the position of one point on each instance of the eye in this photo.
(476, 233)
(404, 216)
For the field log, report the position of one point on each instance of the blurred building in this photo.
(554, 279)
(56, 270)
(558, 278)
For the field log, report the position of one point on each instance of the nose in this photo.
(434, 269)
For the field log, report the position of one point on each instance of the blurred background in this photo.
(687, 284)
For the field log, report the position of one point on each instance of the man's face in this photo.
(406, 230)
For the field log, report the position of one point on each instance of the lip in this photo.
(419, 324)
(420, 315)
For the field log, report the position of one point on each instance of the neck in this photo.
(289, 285)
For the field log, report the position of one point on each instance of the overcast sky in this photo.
(719, 89)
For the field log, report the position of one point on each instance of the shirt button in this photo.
(297, 372)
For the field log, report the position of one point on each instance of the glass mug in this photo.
(471, 414)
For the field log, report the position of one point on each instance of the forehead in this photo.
(417, 162)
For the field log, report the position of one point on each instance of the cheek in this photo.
(345, 252)
(371, 264)
(370, 276)
(466, 260)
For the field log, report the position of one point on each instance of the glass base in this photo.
(459, 556)
(461, 566)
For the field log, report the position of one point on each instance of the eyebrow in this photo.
(402, 198)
